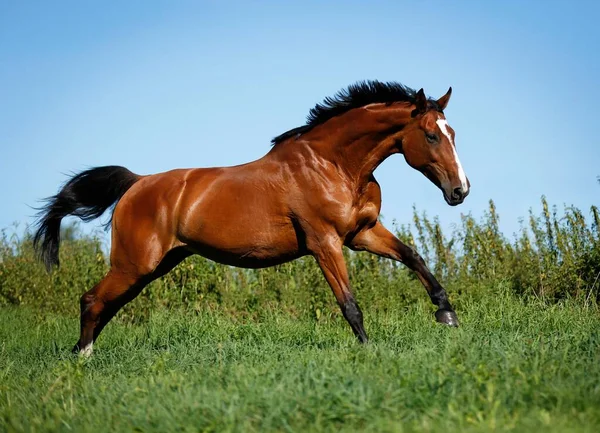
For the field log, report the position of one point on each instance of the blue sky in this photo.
(159, 85)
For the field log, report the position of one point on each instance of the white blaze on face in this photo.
(443, 125)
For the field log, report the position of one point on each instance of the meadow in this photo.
(214, 348)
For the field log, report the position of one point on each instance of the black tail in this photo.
(86, 195)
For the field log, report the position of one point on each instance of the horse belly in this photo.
(245, 245)
(243, 236)
(250, 258)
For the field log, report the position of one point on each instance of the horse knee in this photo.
(412, 259)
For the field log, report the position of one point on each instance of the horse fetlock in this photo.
(87, 350)
(352, 311)
(83, 350)
(354, 316)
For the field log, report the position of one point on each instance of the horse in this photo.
(312, 194)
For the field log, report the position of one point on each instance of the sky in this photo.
(157, 85)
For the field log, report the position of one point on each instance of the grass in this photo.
(512, 366)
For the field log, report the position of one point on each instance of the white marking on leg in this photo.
(443, 125)
(87, 350)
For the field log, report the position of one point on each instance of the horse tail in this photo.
(86, 195)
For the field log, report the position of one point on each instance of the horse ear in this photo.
(420, 102)
(443, 101)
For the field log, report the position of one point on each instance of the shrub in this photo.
(551, 259)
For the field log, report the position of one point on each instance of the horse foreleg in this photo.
(378, 240)
(331, 261)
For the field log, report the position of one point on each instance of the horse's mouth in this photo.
(454, 201)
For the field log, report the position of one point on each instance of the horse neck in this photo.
(360, 140)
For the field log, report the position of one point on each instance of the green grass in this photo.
(512, 366)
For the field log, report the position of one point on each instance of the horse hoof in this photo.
(447, 317)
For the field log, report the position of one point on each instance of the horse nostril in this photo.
(458, 193)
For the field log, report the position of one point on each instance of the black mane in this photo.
(355, 96)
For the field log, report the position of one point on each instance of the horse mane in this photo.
(356, 95)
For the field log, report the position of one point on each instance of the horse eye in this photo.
(432, 138)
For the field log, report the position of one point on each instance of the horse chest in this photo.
(356, 213)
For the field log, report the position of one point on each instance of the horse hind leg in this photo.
(100, 304)
(96, 304)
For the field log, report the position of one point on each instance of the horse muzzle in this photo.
(456, 196)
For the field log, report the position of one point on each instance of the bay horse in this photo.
(312, 194)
